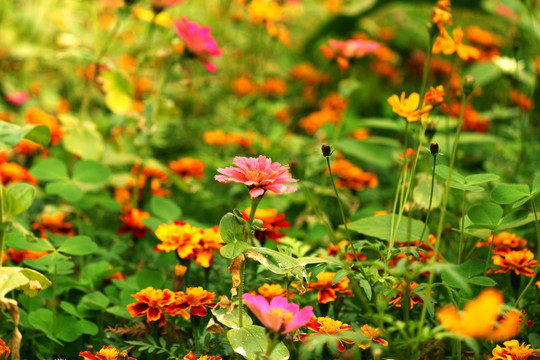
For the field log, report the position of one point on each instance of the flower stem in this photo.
(461, 234)
(492, 236)
(537, 227)
(430, 201)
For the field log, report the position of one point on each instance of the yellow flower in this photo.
(408, 107)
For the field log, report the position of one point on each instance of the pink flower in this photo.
(199, 41)
(17, 98)
(258, 174)
(344, 50)
(278, 315)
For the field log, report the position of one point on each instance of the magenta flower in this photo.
(279, 315)
(17, 98)
(198, 41)
(258, 174)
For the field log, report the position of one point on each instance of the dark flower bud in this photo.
(468, 85)
(90, 349)
(431, 129)
(434, 148)
(515, 45)
(326, 150)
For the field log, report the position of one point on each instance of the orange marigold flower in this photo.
(264, 11)
(512, 350)
(478, 318)
(328, 326)
(435, 96)
(55, 224)
(360, 134)
(503, 242)
(408, 107)
(269, 291)
(521, 100)
(21, 255)
(106, 353)
(483, 37)
(4, 350)
(192, 356)
(445, 44)
(216, 138)
(152, 303)
(509, 325)
(308, 74)
(179, 236)
(12, 172)
(205, 244)
(195, 300)
(414, 298)
(243, 86)
(273, 87)
(187, 167)
(40, 117)
(520, 261)
(327, 291)
(441, 14)
(133, 222)
(343, 245)
(471, 118)
(373, 335)
(273, 222)
(350, 176)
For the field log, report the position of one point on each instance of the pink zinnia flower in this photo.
(17, 98)
(199, 41)
(279, 315)
(344, 50)
(258, 174)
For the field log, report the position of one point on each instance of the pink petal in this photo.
(256, 192)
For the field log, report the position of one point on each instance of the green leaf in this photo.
(91, 172)
(84, 141)
(486, 215)
(482, 281)
(230, 318)
(19, 241)
(251, 341)
(536, 184)
(117, 92)
(481, 178)
(69, 308)
(484, 73)
(152, 223)
(146, 277)
(443, 171)
(341, 274)
(230, 228)
(471, 267)
(380, 227)
(164, 209)
(422, 193)
(78, 245)
(95, 300)
(364, 284)
(88, 327)
(12, 134)
(41, 319)
(67, 328)
(27, 280)
(50, 169)
(21, 197)
(276, 262)
(65, 190)
(372, 153)
(509, 193)
(47, 262)
(514, 219)
(233, 249)
(451, 276)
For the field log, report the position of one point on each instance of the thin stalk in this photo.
(430, 201)
(537, 227)
(443, 210)
(461, 232)
(427, 64)
(492, 236)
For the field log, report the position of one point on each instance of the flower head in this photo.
(198, 41)
(187, 167)
(414, 298)
(54, 223)
(259, 175)
(133, 222)
(17, 98)
(270, 291)
(195, 300)
(373, 335)
(192, 356)
(328, 326)
(4, 350)
(279, 315)
(408, 107)
(520, 261)
(512, 350)
(106, 353)
(445, 44)
(327, 291)
(344, 50)
(273, 222)
(151, 303)
(479, 318)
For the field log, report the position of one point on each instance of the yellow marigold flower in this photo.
(269, 291)
(195, 300)
(327, 291)
(328, 326)
(445, 44)
(373, 335)
(408, 107)
(512, 350)
(152, 303)
(479, 318)
(179, 236)
(441, 14)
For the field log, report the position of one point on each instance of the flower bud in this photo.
(90, 349)
(468, 84)
(326, 150)
(434, 148)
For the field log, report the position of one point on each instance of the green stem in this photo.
(427, 64)
(537, 227)
(443, 211)
(430, 201)
(492, 237)
(461, 232)
(2, 232)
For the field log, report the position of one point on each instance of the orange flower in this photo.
(408, 107)
(360, 134)
(471, 119)
(448, 46)
(133, 222)
(152, 303)
(154, 176)
(328, 326)
(273, 87)
(503, 242)
(435, 96)
(12, 172)
(187, 167)
(512, 350)
(40, 117)
(195, 300)
(269, 12)
(4, 350)
(269, 291)
(441, 14)
(216, 138)
(243, 86)
(327, 291)
(352, 177)
(191, 356)
(509, 325)
(21, 255)
(205, 244)
(106, 353)
(273, 222)
(55, 224)
(414, 298)
(520, 261)
(343, 246)
(308, 74)
(483, 37)
(373, 335)
(179, 236)
(479, 318)
(521, 100)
